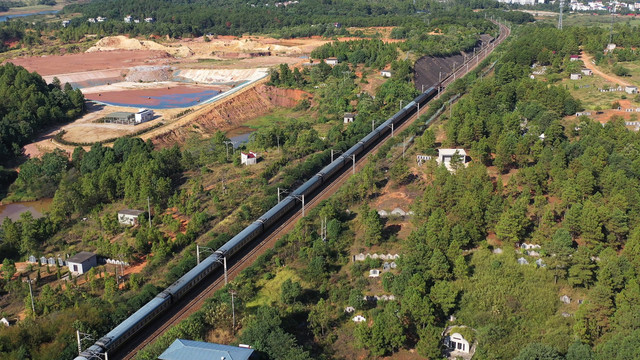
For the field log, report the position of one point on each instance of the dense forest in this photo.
(571, 192)
(28, 105)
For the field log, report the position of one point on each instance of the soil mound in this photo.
(111, 43)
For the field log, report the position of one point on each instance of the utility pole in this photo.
(149, 210)
(323, 229)
(81, 339)
(404, 146)
(353, 167)
(224, 264)
(560, 17)
(283, 191)
(278, 137)
(373, 123)
(233, 309)
(33, 307)
(391, 125)
(203, 248)
(336, 152)
(301, 198)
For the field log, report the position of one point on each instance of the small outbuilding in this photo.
(575, 57)
(455, 342)
(445, 156)
(128, 216)
(586, 72)
(631, 89)
(386, 73)
(81, 262)
(374, 273)
(522, 261)
(359, 318)
(349, 117)
(197, 350)
(576, 76)
(331, 61)
(248, 158)
(565, 299)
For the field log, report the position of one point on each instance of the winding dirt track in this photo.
(586, 58)
(194, 301)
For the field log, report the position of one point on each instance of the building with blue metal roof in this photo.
(198, 350)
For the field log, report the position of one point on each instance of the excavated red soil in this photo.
(52, 64)
(233, 112)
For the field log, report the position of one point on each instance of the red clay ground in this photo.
(56, 64)
(149, 97)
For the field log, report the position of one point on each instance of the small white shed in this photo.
(128, 216)
(81, 262)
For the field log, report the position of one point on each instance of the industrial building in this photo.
(143, 115)
(120, 117)
(197, 350)
(129, 118)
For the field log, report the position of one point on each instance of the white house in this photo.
(349, 117)
(456, 342)
(576, 76)
(565, 299)
(359, 318)
(611, 47)
(65, 23)
(81, 262)
(331, 61)
(128, 19)
(149, 20)
(446, 155)
(526, 246)
(101, 19)
(586, 72)
(575, 57)
(128, 216)
(349, 309)
(631, 89)
(249, 158)
(4, 322)
(523, 261)
(386, 73)
(143, 115)
(374, 273)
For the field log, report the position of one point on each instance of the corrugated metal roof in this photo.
(80, 257)
(197, 350)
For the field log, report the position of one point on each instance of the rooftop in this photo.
(197, 350)
(81, 257)
(130, 212)
(451, 152)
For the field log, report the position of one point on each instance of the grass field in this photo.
(270, 289)
(586, 90)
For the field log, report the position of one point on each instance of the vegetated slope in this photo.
(234, 111)
(28, 104)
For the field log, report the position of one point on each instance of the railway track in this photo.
(190, 304)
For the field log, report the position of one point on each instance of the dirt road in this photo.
(586, 58)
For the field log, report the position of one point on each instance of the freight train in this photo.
(125, 330)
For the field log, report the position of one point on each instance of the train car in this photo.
(193, 277)
(129, 326)
(308, 187)
(370, 139)
(354, 150)
(271, 216)
(237, 242)
(160, 303)
(329, 170)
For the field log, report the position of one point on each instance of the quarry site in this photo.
(191, 84)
